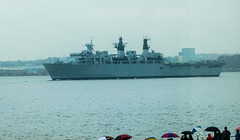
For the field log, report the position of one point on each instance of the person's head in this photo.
(225, 128)
(209, 134)
(237, 131)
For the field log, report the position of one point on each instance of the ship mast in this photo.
(120, 47)
(89, 47)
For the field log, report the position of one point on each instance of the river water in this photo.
(38, 108)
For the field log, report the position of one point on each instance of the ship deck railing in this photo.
(121, 62)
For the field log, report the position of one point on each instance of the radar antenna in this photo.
(89, 46)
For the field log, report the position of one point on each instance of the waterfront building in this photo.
(187, 54)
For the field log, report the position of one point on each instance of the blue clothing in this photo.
(237, 136)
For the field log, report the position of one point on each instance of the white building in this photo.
(187, 54)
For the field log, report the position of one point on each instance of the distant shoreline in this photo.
(35, 68)
(22, 72)
(43, 72)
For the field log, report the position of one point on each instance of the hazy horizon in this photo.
(40, 29)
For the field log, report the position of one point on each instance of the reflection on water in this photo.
(38, 108)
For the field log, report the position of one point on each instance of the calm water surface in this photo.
(39, 108)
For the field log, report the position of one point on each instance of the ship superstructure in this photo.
(90, 64)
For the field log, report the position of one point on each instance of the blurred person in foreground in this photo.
(237, 136)
(226, 134)
(209, 137)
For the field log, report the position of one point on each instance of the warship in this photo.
(91, 64)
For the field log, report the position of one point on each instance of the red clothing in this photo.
(209, 137)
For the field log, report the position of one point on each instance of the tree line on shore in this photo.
(35, 67)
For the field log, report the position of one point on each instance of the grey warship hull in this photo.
(114, 71)
(101, 65)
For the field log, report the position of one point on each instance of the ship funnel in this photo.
(145, 46)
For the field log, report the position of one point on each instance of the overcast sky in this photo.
(37, 29)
